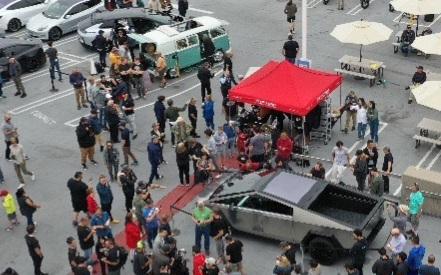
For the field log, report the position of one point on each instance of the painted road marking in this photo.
(313, 3)
(42, 101)
(43, 117)
(70, 123)
(357, 9)
(425, 156)
(433, 161)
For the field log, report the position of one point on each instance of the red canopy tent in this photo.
(286, 87)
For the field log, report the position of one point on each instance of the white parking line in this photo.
(353, 9)
(40, 74)
(43, 102)
(313, 3)
(39, 102)
(73, 55)
(398, 191)
(426, 156)
(433, 161)
(70, 122)
(66, 58)
(356, 11)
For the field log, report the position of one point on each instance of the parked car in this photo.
(28, 52)
(291, 207)
(61, 17)
(134, 20)
(181, 43)
(14, 14)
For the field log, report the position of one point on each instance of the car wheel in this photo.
(218, 56)
(323, 250)
(55, 34)
(14, 25)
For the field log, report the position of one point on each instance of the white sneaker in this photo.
(33, 176)
(218, 176)
(21, 185)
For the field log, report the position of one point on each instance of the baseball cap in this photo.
(210, 261)
(70, 239)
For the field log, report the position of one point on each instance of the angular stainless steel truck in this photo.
(291, 207)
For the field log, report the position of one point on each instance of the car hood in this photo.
(39, 21)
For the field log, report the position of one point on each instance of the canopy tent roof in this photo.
(285, 87)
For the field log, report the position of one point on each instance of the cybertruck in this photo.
(291, 207)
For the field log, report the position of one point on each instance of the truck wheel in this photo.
(322, 250)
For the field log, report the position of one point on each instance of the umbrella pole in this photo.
(361, 46)
(304, 141)
(416, 32)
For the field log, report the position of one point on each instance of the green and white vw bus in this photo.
(181, 43)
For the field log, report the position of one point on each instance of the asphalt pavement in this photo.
(258, 29)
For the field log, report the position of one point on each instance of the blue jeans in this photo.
(203, 231)
(209, 123)
(373, 126)
(102, 116)
(55, 65)
(29, 218)
(88, 255)
(361, 130)
(151, 235)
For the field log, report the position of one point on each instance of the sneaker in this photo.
(61, 80)
(84, 166)
(218, 176)
(33, 176)
(78, 107)
(23, 95)
(135, 136)
(173, 146)
(94, 162)
(135, 163)
(2, 96)
(9, 229)
(21, 185)
(85, 106)
(115, 221)
(17, 93)
(2, 182)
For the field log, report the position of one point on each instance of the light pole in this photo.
(304, 61)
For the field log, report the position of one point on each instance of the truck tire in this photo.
(323, 250)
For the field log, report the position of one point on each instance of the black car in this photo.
(28, 52)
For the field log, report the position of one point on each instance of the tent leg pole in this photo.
(340, 107)
(304, 142)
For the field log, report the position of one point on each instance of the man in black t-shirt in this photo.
(78, 194)
(54, 64)
(387, 167)
(112, 258)
(290, 50)
(218, 230)
(72, 252)
(128, 106)
(81, 268)
(34, 249)
(86, 238)
(234, 254)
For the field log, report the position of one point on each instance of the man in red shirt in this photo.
(198, 260)
(284, 149)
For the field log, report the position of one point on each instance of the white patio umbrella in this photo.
(362, 33)
(417, 7)
(428, 44)
(428, 94)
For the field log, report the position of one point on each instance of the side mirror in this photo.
(67, 16)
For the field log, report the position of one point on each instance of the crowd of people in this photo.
(255, 138)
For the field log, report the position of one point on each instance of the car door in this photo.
(32, 7)
(265, 217)
(73, 16)
(188, 51)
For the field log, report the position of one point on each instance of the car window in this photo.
(106, 24)
(260, 203)
(230, 201)
(34, 2)
(19, 5)
(56, 9)
(181, 44)
(217, 32)
(92, 3)
(77, 9)
(192, 40)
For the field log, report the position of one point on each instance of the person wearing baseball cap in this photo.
(419, 77)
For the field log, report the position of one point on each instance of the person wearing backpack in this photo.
(290, 11)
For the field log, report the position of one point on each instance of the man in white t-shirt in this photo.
(340, 159)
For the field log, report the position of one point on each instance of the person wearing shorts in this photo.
(290, 11)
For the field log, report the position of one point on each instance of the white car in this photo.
(14, 14)
(61, 17)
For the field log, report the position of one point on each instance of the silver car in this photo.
(14, 14)
(137, 20)
(61, 17)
